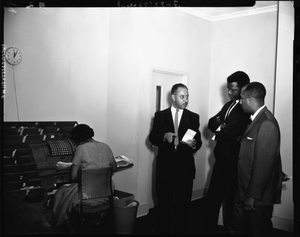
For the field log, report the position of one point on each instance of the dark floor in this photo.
(143, 225)
(147, 224)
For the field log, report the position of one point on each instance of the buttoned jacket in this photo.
(259, 163)
(167, 162)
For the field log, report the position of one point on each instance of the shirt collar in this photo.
(252, 117)
(236, 102)
(173, 109)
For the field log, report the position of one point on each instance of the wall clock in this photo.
(13, 55)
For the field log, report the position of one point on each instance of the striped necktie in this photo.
(176, 141)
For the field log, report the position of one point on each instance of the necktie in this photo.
(176, 141)
(229, 109)
(249, 122)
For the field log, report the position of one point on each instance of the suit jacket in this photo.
(227, 147)
(259, 165)
(167, 163)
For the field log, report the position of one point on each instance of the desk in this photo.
(124, 167)
(64, 179)
(119, 167)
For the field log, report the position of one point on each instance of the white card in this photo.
(189, 135)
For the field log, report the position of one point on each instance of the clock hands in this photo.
(15, 53)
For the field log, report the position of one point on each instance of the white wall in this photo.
(95, 66)
(140, 40)
(63, 73)
(284, 213)
(250, 44)
(241, 44)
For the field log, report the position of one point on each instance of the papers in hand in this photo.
(123, 161)
(63, 165)
(189, 135)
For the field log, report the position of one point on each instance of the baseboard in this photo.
(282, 223)
(143, 210)
(200, 193)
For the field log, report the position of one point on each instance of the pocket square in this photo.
(249, 138)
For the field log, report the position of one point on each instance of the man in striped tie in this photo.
(175, 165)
(228, 126)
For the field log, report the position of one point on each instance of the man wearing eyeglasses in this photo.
(175, 166)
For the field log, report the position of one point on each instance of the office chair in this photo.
(95, 183)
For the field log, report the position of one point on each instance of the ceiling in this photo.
(221, 13)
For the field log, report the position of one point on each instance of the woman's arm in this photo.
(74, 173)
(76, 163)
(114, 165)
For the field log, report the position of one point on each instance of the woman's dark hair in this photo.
(81, 132)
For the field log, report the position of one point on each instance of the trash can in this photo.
(125, 210)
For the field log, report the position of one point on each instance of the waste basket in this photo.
(125, 210)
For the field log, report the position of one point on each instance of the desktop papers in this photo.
(63, 165)
(123, 161)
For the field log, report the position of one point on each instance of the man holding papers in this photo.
(175, 166)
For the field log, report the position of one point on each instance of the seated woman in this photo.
(89, 154)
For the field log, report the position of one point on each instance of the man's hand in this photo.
(191, 143)
(249, 204)
(285, 177)
(169, 136)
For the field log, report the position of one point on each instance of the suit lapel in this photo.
(181, 127)
(232, 112)
(170, 119)
(225, 108)
(254, 121)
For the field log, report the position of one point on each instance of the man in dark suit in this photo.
(259, 166)
(175, 166)
(228, 125)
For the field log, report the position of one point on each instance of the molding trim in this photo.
(210, 18)
(282, 223)
(169, 72)
(143, 210)
(200, 193)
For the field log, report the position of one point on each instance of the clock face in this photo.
(13, 55)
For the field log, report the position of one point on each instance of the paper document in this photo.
(189, 135)
(63, 165)
(123, 161)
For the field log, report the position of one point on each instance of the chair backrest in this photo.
(95, 183)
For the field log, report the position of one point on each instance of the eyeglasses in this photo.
(233, 91)
(184, 96)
